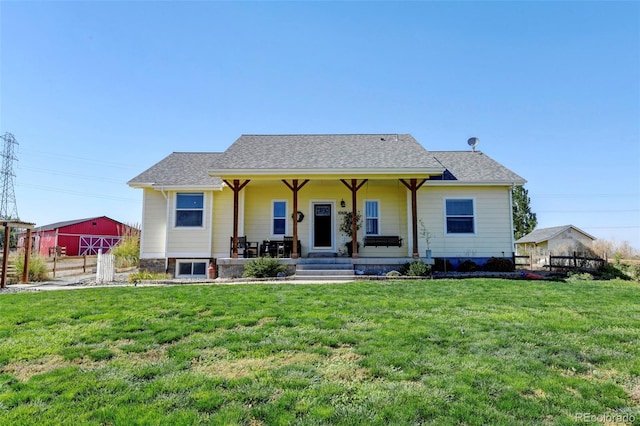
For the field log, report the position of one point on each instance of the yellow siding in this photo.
(259, 197)
(223, 222)
(569, 241)
(492, 222)
(185, 242)
(492, 219)
(154, 217)
(392, 202)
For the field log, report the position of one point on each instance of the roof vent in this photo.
(473, 142)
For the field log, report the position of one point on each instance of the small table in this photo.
(277, 248)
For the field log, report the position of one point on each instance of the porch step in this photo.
(325, 269)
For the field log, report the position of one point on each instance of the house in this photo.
(564, 239)
(77, 237)
(274, 189)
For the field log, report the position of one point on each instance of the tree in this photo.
(524, 220)
(13, 237)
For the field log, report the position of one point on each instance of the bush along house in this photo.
(360, 202)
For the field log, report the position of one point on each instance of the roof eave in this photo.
(509, 183)
(140, 184)
(162, 187)
(401, 172)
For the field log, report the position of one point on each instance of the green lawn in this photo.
(476, 352)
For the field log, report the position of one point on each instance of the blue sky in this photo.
(97, 92)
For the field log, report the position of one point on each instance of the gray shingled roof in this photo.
(323, 152)
(474, 166)
(379, 152)
(545, 234)
(180, 169)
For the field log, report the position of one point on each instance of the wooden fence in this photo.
(532, 262)
(71, 265)
(562, 263)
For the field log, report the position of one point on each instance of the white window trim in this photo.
(364, 208)
(475, 222)
(273, 218)
(175, 210)
(192, 261)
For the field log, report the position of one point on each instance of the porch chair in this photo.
(245, 248)
(288, 246)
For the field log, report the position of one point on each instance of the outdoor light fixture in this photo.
(342, 203)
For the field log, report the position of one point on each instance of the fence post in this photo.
(55, 261)
(84, 263)
(105, 269)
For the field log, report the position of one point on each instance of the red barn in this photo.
(78, 237)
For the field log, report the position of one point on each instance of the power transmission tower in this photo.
(8, 207)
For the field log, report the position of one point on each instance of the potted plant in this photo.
(346, 227)
(424, 233)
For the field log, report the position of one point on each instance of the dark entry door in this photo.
(322, 225)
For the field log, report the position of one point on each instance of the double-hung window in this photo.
(460, 217)
(279, 221)
(371, 218)
(189, 209)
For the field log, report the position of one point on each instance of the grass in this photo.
(445, 352)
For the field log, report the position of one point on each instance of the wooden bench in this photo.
(382, 240)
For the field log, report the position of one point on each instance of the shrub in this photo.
(468, 266)
(499, 264)
(37, 267)
(138, 276)
(263, 267)
(634, 272)
(613, 271)
(579, 276)
(442, 265)
(418, 268)
(393, 274)
(127, 251)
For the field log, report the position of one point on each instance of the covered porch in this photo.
(324, 216)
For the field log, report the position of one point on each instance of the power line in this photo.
(66, 191)
(625, 195)
(590, 211)
(612, 227)
(85, 159)
(67, 174)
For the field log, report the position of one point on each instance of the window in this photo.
(371, 218)
(279, 217)
(192, 268)
(189, 209)
(459, 216)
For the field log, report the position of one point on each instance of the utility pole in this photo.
(8, 206)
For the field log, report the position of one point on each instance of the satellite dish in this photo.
(473, 142)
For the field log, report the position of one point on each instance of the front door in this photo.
(322, 226)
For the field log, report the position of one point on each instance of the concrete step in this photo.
(323, 271)
(325, 261)
(323, 277)
(324, 266)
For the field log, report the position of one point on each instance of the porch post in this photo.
(5, 257)
(413, 186)
(27, 254)
(294, 187)
(236, 187)
(354, 186)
